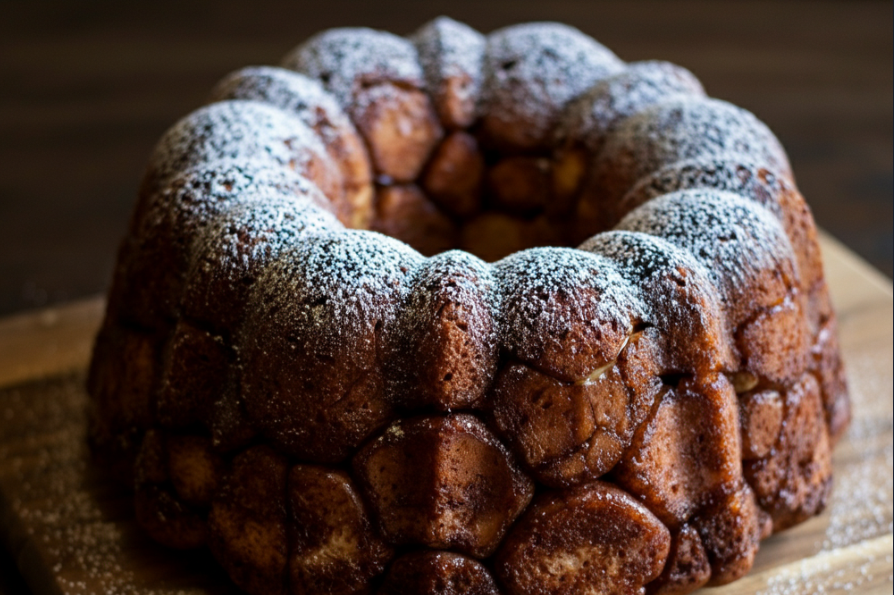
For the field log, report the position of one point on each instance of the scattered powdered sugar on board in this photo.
(861, 506)
(823, 573)
(856, 546)
(347, 59)
(72, 526)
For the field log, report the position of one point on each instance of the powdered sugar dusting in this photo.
(639, 256)
(552, 295)
(444, 347)
(823, 573)
(350, 58)
(231, 253)
(173, 218)
(200, 192)
(686, 128)
(724, 172)
(150, 271)
(532, 273)
(734, 239)
(454, 275)
(67, 512)
(451, 50)
(332, 285)
(644, 260)
(240, 130)
(681, 299)
(263, 224)
(590, 118)
(532, 71)
(291, 92)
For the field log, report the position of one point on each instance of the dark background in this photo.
(87, 88)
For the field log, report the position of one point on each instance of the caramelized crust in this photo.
(194, 377)
(586, 539)
(793, 482)
(195, 469)
(570, 433)
(405, 213)
(446, 506)
(687, 567)
(520, 185)
(760, 414)
(334, 547)
(247, 523)
(400, 128)
(493, 236)
(687, 451)
(451, 56)
(159, 509)
(444, 352)
(305, 98)
(454, 175)
(122, 381)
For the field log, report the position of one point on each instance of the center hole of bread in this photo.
(482, 200)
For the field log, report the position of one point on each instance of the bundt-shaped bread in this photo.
(471, 405)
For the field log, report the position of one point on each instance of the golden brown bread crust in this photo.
(613, 544)
(451, 56)
(793, 481)
(305, 98)
(400, 127)
(406, 214)
(248, 521)
(493, 236)
(570, 433)
(446, 336)
(193, 377)
(334, 547)
(520, 185)
(329, 411)
(452, 509)
(454, 175)
(122, 381)
(687, 567)
(160, 510)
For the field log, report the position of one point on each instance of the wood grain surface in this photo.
(86, 88)
(70, 527)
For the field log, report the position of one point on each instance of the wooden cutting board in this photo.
(70, 527)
